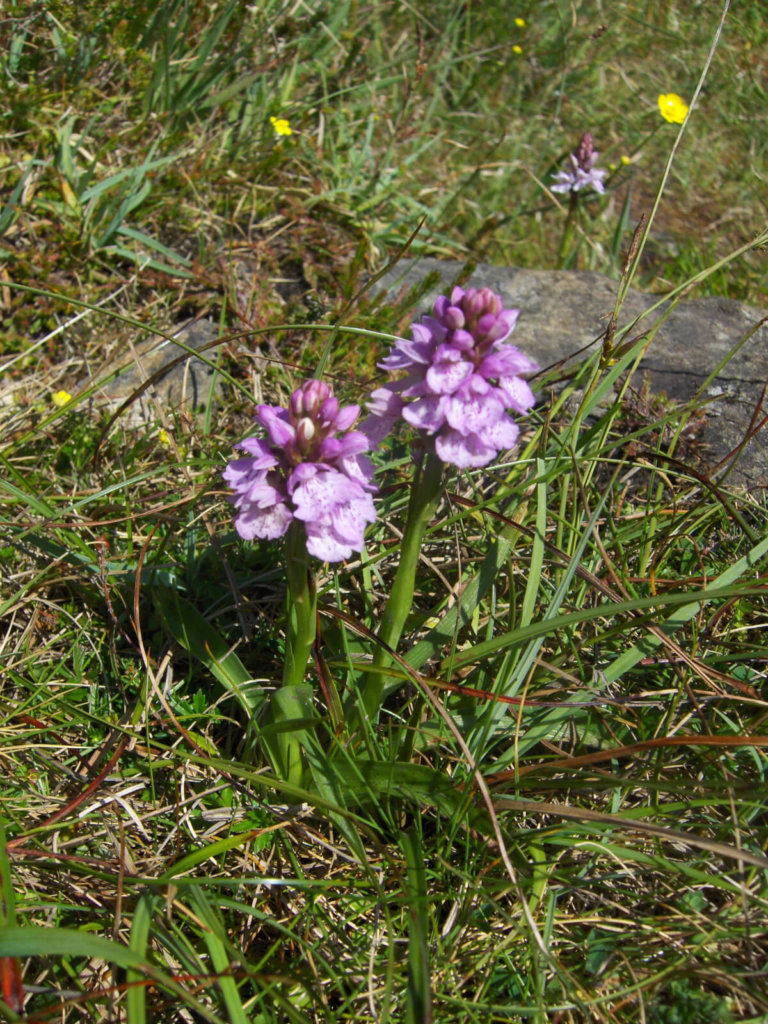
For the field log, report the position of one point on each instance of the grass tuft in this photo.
(561, 816)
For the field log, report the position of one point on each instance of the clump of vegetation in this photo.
(681, 1002)
(470, 744)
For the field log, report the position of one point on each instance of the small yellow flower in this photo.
(61, 398)
(673, 108)
(626, 160)
(517, 49)
(281, 125)
(520, 22)
(163, 436)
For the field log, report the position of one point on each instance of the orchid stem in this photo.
(291, 705)
(568, 230)
(301, 606)
(421, 507)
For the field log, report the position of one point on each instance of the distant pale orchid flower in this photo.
(460, 380)
(582, 172)
(281, 125)
(673, 107)
(311, 468)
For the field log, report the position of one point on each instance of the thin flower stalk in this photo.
(460, 380)
(310, 481)
(424, 499)
(580, 173)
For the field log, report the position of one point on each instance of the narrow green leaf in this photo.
(136, 996)
(33, 940)
(537, 547)
(192, 860)
(10, 208)
(215, 939)
(289, 730)
(197, 635)
(152, 243)
(149, 264)
(610, 609)
(7, 899)
(103, 186)
(472, 594)
(685, 613)
(418, 1009)
(129, 202)
(516, 665)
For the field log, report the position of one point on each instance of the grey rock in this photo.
(164, 373)
(564, 315)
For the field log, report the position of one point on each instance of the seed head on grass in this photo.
(673, 107)
(581, 172)
(312, 468)
(460, 379)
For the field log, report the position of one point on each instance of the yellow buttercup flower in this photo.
(626, 160)
(61, 398)
(517, 49)
(163, 436)
(281, 125)
(520, 22)
(673, 108)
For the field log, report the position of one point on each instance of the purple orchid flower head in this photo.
(310, 467)
(460, 380)
(581, 172)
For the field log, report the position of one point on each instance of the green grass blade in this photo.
(7, 898)
(128, 174)
(214, 936)
(32, 940)
(10, 210)
(136, 996)
(152, 243)
(685, 613)
(537, 548)
(481, 650)
(197, 635)
(418, 1007)
(515, 667)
